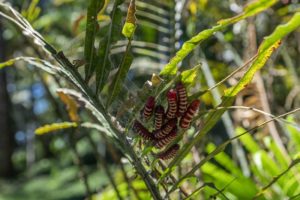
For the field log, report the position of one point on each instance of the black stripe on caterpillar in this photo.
(149, 107)
(185, 121)
(166, 129)
(159, 117)
(172, 104)
(142, 131)
(159, 143)
(169, 153)
(182, 99)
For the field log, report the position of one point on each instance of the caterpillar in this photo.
(166, 129)
(185, 121)
(182, 99)
(142, 131)
(159, 117)
(149, 106)
(169, 153)
(172, 104)
(159, 143)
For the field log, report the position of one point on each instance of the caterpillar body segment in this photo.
(166, 129)
(172, 104)
(169, 153)
(142, 131)
(159, 117)
(159, 143)
(182, 99)
(185, 121)
(149, 107)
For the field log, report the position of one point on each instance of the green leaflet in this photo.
(103, 63)
(188, 77)
(90, 34)
(188, 46)
(54, 127)
(120, 76)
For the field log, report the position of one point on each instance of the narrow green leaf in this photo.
(249, 10)
(294, 133)
(226, 162)
(252, 9)
(120, 76)
(280, 32)
(90, 34)
(103, 63)
(248, 141)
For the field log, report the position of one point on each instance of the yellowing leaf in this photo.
(258, 64)
(54, 127)
(130, 24)
(72, 106)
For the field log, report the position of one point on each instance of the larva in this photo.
(185, 121)
(142, 131)
(148, 109)
(166, 129)
(182, 98)
(169, 153)
(172, 104)
(159, 143)
(159, 117)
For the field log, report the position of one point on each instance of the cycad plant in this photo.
(161, 125)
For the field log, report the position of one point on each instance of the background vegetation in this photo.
(86, 68)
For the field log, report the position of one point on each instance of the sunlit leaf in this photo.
(72, 106)
(54, 127)
(188, 77)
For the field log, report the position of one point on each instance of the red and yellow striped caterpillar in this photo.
(142, 131)
(169, 153)
(159, 117)
(149, 107)
(182, 99)
(166, 129)
(185, 121)
(159, 143)
(172, 104)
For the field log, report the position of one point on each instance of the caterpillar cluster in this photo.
(165, 122)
